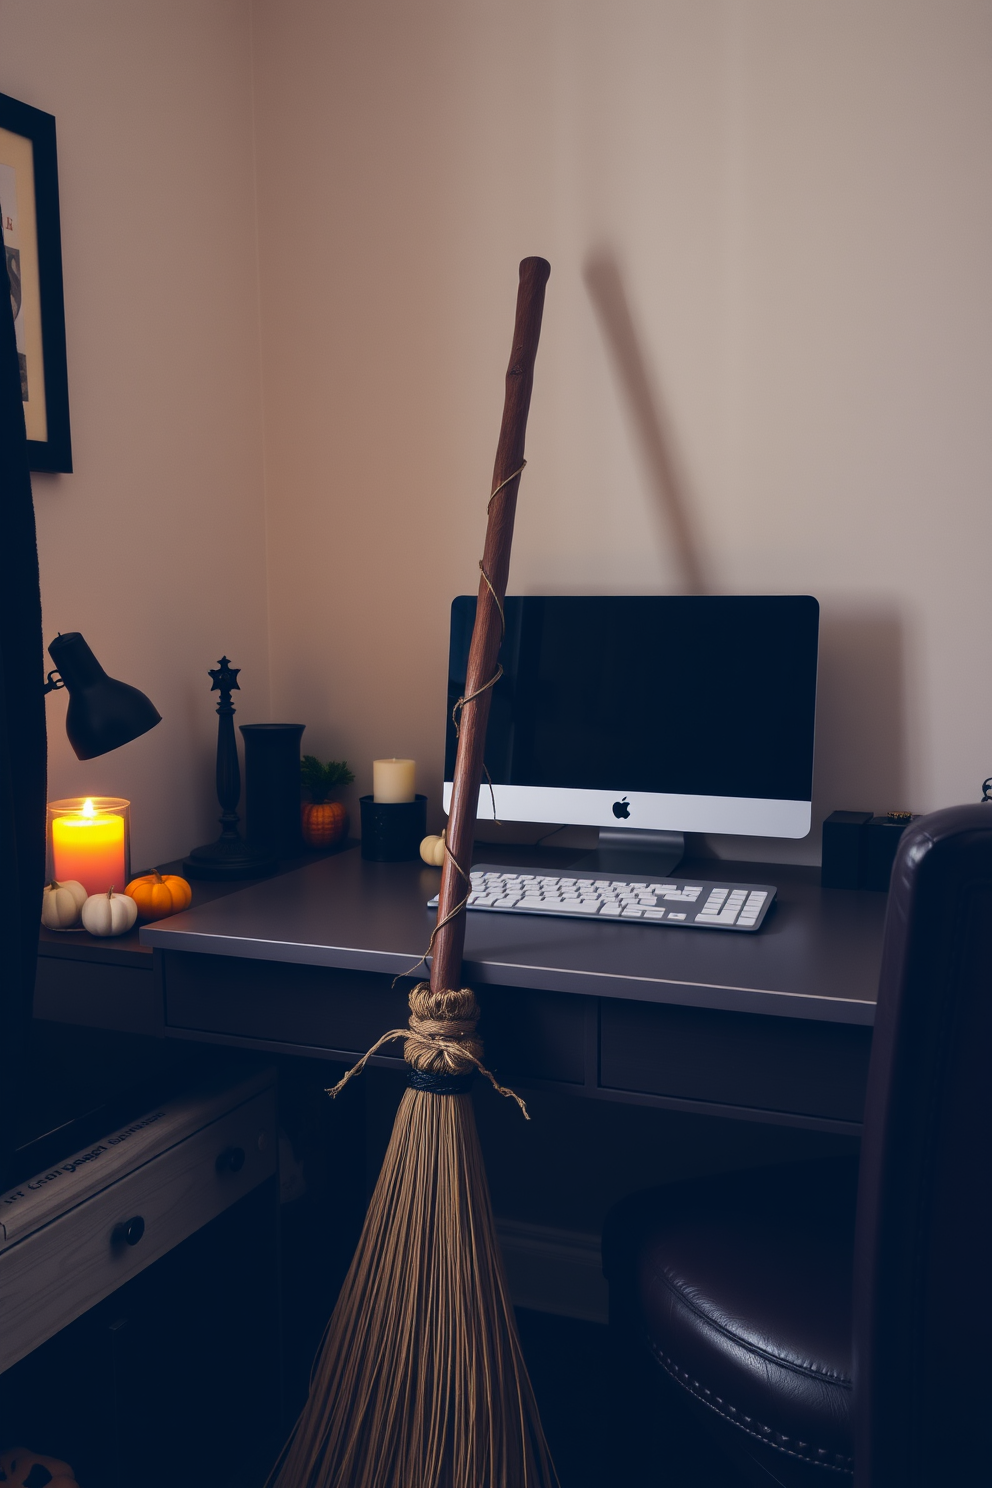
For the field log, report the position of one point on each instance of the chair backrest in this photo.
(923, 1262)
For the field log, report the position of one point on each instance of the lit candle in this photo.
(393, 779)
(88, 845)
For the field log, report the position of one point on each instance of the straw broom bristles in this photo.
(421, 1382)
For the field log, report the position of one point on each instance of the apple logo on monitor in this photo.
(621, 809)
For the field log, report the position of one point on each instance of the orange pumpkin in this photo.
(324, 823)
(159, 894)
(18, 1467)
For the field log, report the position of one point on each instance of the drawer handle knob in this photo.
(128, 1232)
(231, 1160)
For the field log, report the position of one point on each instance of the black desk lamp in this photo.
(103, 713)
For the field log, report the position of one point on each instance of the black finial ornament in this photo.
(230, 856)
(225, 681)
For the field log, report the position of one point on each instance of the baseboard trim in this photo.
(552, 1270)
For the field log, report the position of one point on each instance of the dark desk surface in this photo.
(817, 956)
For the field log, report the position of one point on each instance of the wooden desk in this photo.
(771, 1027)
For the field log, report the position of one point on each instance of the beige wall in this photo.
(778, 215)
(154, 547)
(792, 207)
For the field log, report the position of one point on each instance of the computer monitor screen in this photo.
(671, 712)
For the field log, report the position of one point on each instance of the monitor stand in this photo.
(634, 851)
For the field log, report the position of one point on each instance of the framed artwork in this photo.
(32, 241)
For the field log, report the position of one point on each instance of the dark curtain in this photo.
(22, 738)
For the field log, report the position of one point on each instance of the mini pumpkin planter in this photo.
(60, 907)
(20, 1468)
(324, 822)
(159, 894)
(109, 914)
(432, 851)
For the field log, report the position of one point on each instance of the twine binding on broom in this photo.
(440, 1042)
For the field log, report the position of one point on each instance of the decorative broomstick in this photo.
(420, 1382)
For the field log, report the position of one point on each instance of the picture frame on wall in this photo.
(32, 239)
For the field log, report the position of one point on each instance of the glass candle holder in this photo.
(89, 840)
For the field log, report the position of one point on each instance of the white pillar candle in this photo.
(393, 779)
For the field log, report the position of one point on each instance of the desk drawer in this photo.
(744, 1060)
(282, 1005)
(58, 1272)
(97, 995)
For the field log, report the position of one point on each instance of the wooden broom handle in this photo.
(446, 966)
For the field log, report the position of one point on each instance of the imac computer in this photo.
(648, 716)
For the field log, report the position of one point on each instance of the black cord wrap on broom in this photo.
(441, 1084)
(440, 1043)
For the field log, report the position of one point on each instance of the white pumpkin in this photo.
(109, 914)
(432, 851)
(61, 904)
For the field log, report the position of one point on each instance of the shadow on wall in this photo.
(861, 713)
(643, 406)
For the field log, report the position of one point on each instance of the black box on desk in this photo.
(882, 836)
(843, 849)
(859, 848)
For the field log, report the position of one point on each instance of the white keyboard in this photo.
(695, 903)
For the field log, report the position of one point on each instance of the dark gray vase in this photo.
(272, 787)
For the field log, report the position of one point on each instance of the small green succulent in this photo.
(319, 780)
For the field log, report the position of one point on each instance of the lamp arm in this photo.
(53, 684)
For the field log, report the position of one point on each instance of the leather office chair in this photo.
(828, 1324)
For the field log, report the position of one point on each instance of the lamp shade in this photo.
(103, 713)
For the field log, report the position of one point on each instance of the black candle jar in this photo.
(392, 831)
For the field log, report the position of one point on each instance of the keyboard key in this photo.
(634, 914)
